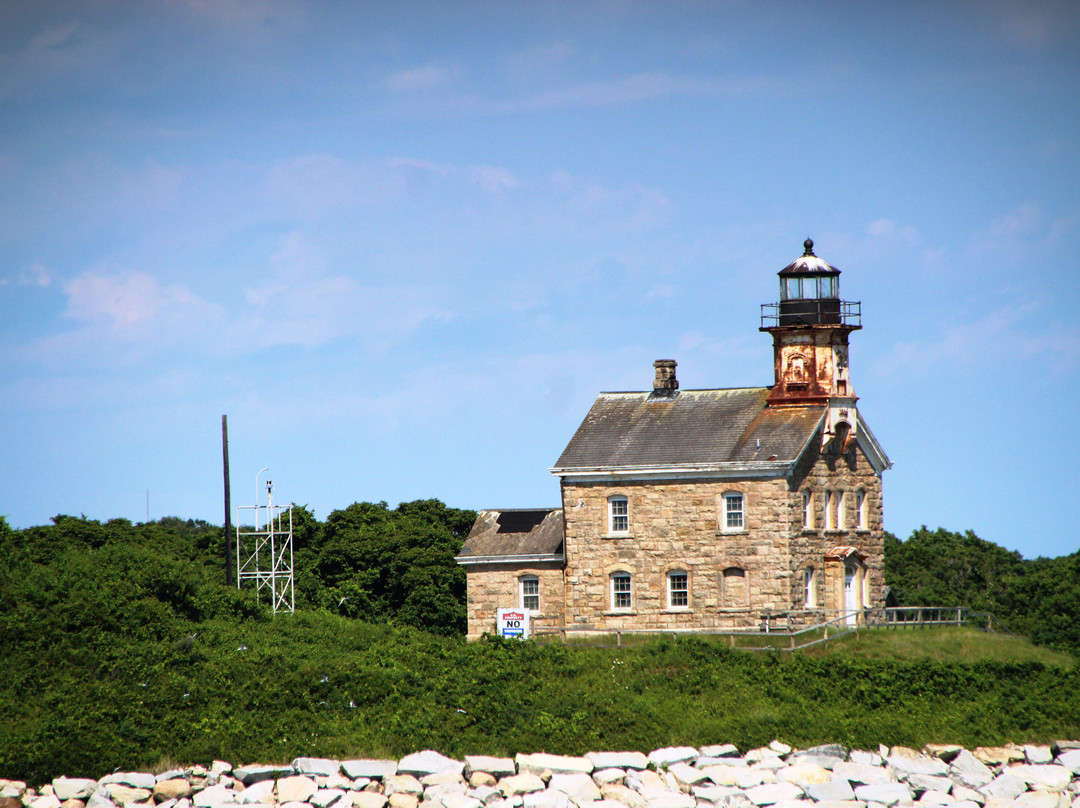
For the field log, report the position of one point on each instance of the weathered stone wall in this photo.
(495, 586)
(677, 527)
(717, 776)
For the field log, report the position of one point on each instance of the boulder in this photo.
(297, 788)
(576, 785)
(518, 784)
(368, 799)
(72, 788)
(673, 754)
(255, 774)
(1048, 777)
(617, 760)
(355, 769)
(687, 775)
(329, 797)
(543, 762)
(720, 750)
(499, 767)
(316, 766)
(604, 776)
(402, 799)
(835, 790)
(969, 770)
(885, 793)
(259, 793)
(172, 789)
(772, 793)
(402, 784)
(624, 795)
(672, 799)
(210, 797)
(128, 795)
(428, 762)
(133, 779)
(1070, 759)
(1004, 786)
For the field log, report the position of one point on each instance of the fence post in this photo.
(618, 637)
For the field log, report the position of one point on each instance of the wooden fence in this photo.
(779, 631)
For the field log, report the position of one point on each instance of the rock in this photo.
(998, 755)
(862, 773)
(687, 775)
(172, 789)
(255, 774)
(543, 762)
(73, 804)
(617, 760)
(720, 750)
(828, 762)
(99, 799)
(355, 769)
(647, 783)
(1005, 786)
(460, 801)
(946, 752)
(485, 794)
(316, 766)
(604, 776)
(368, 799)
(548, 798)
(44, 801)
(803, 773)
(428, 762)
(969, 770)
(210, 797)
(904, 766)
(780, 748)
(1038, 754)
(518, 784)
(1070, 759)
(931, 797)
(885, 793)
(1039, 799)
(402, 784)
(10, 802)
(297, 788)
(442, 778)
(72, 789)
(772, 793)
(1048, 777)
(261, 792)
(481, 779)
(623, 795)
(328, 797)
(499, 767)
(128, 795)
(835, 790)
(864, 758)
(962, 793)
(672, 799)
(673, 754)
(133, 779)
(402, 799)
(576, 785)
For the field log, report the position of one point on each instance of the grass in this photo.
(943, 644)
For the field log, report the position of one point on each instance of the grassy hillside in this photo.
(120, 647)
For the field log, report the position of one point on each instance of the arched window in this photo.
(618, 514)
(860, 510)
(622, 596)
(841, 521)
(529, 588)
(809, 588)
(678, 590)
(732, 517)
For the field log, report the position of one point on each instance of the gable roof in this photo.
(694, 430)
(524, 534)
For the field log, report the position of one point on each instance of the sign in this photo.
(513, 623)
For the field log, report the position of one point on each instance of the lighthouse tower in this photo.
(810, 327)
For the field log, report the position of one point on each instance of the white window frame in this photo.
(860, 509)
(678, 589)
(727, 512)
(841, 521)
(525, 583)
(809, 588)
(808, 509)
(618, 514)
(622, 589)
(830, 510)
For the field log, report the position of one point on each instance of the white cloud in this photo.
(125, 298)
(419, 79)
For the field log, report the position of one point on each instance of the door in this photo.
(851, 594)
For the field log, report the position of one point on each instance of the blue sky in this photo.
(403, 245)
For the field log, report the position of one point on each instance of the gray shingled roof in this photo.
(519, 532)
(697, 427)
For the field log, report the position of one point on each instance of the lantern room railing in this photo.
(811, 312)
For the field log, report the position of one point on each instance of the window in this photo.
(808, 510)
(791, 289)
(809, 593)
(830, 510)
(530, 592)
(678, 587)
(618, 515)
(828, 286)
(841, 522)
(731, 519)
(860, 510)
(621, 596)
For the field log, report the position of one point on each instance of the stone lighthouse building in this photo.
(715, 509)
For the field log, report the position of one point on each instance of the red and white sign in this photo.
(513, 623)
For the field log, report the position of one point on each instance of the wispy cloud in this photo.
(127, 298)
(419, 79)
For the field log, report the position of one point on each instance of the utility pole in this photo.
(229, 580)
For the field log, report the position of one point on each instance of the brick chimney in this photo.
(665, 384)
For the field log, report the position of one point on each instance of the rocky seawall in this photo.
(675, 777)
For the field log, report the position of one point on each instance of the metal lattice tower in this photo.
(264, 550)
